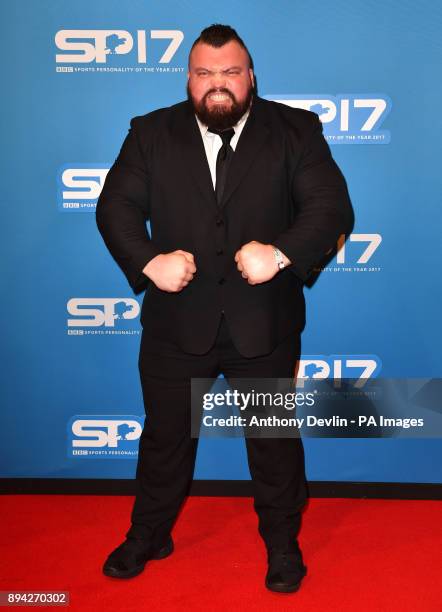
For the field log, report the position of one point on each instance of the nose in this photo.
(218, 79)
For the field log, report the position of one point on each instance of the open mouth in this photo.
(219, 97)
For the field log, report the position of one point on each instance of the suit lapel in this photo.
(252, 139)
(193, 155)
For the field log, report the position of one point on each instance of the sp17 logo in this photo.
(346, 118)
(354, 255)
(357, 368)
(86, 46)
(79, 188)
(371, 242)
(97, 312)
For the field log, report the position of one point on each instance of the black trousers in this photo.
(167, 452)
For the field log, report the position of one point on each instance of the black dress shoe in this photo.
(286, 570)
(128, 559)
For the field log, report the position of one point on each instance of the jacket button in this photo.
(219, 222)
(222, 281)
(219, 252)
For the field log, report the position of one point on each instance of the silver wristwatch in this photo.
(279, 258)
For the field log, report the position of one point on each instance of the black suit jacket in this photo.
(283, 188)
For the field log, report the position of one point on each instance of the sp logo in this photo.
(96, 433)
(86, 46)
(97, 312)
(114, 436)
(80, 188)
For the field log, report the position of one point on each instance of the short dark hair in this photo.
(217, 35)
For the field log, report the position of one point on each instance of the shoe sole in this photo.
(284, 588)
(164, 552)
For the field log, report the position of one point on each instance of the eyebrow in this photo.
(225, 70)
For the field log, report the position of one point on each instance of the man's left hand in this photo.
(256, 262)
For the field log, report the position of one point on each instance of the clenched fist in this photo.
(256, 262)
(171, 271)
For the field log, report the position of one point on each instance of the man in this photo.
(244, 199)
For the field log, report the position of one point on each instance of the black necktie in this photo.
(223, 160)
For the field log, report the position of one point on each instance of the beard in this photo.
(220, 117)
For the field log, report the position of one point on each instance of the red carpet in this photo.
(361, 555)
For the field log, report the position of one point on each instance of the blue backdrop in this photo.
(74, 73)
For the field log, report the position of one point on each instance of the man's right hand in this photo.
(171, 271)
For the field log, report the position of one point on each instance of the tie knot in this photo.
(226, 135)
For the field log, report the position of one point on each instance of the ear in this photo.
(252, 77)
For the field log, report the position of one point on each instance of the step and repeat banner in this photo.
(74, 74)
